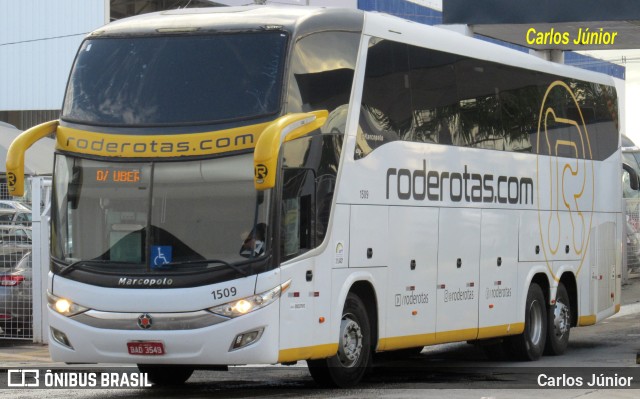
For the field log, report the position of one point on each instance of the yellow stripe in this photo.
(456, 335)
(307, 352)
(412, 341)
(500, 331)
(407, 341)
(587, 320)
(617, 308)
(154, 146)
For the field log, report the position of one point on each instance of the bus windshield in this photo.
(176, 80)
(157, 217)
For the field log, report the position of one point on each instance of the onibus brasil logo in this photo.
(565, 178)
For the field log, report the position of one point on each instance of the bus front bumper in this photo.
(71, 341)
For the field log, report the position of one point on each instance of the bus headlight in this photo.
(246, 305)
(64, 306)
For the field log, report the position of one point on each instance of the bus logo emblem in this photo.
(11, 179)
(145, 321)
(261, 172)
(565, 208)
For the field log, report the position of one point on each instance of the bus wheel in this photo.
(349, 365)
(559, 324)
(166, 375)
(530, 344)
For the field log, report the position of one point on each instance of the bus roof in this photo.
(221, 19)
(304, 20)
(389, 27)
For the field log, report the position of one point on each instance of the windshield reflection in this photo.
(158, 217)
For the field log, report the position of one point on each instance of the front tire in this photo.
(166, 375)
(348, 366)
(530, 344)
(559, 324)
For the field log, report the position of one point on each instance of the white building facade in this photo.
(38, 42)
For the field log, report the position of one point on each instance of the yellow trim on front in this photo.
(586, 320)
(617, 308)
(268, 146)
(307, 352)
(15, 155)
(158, 146)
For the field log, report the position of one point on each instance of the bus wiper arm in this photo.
(78, 264)
(207, 261)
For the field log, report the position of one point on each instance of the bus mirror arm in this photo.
(633, 176)
(286, 128)
(15, 155)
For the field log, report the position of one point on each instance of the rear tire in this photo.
(350, 364)
(530, 344)
(559, 324)
(166, 375)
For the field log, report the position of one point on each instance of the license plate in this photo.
(146, 348)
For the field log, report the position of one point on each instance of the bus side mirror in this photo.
(633, 176)
(15, 155)
(283, 129)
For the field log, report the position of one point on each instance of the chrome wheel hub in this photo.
(561, 319)
(350, 346)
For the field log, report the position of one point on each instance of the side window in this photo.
(322, 69)
(385, 111)
(422, 95)
(308, 176)
(434, 96)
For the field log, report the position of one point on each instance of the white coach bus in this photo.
(270, 185)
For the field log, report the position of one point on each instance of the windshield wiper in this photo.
(78, 264)
(205, 261)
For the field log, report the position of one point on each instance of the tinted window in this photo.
(309, 169)
(416, 94)
(175, 80)
(321, 73)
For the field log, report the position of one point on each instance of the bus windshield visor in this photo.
(176, 80)
(162, 217)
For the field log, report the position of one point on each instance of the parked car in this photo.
(16, 205)
(15, 217)
(15, 291)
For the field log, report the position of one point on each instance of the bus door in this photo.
(298, 197)
(458, 274)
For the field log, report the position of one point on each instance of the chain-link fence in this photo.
(16, 309)
(633, 234)
(20, 277)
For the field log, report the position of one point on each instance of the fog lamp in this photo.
(60, 338)
(246, 339)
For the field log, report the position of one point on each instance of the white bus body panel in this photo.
(458, 274)
(498, 272)
(411, 299)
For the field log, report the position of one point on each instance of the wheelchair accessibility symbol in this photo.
(161, 255)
